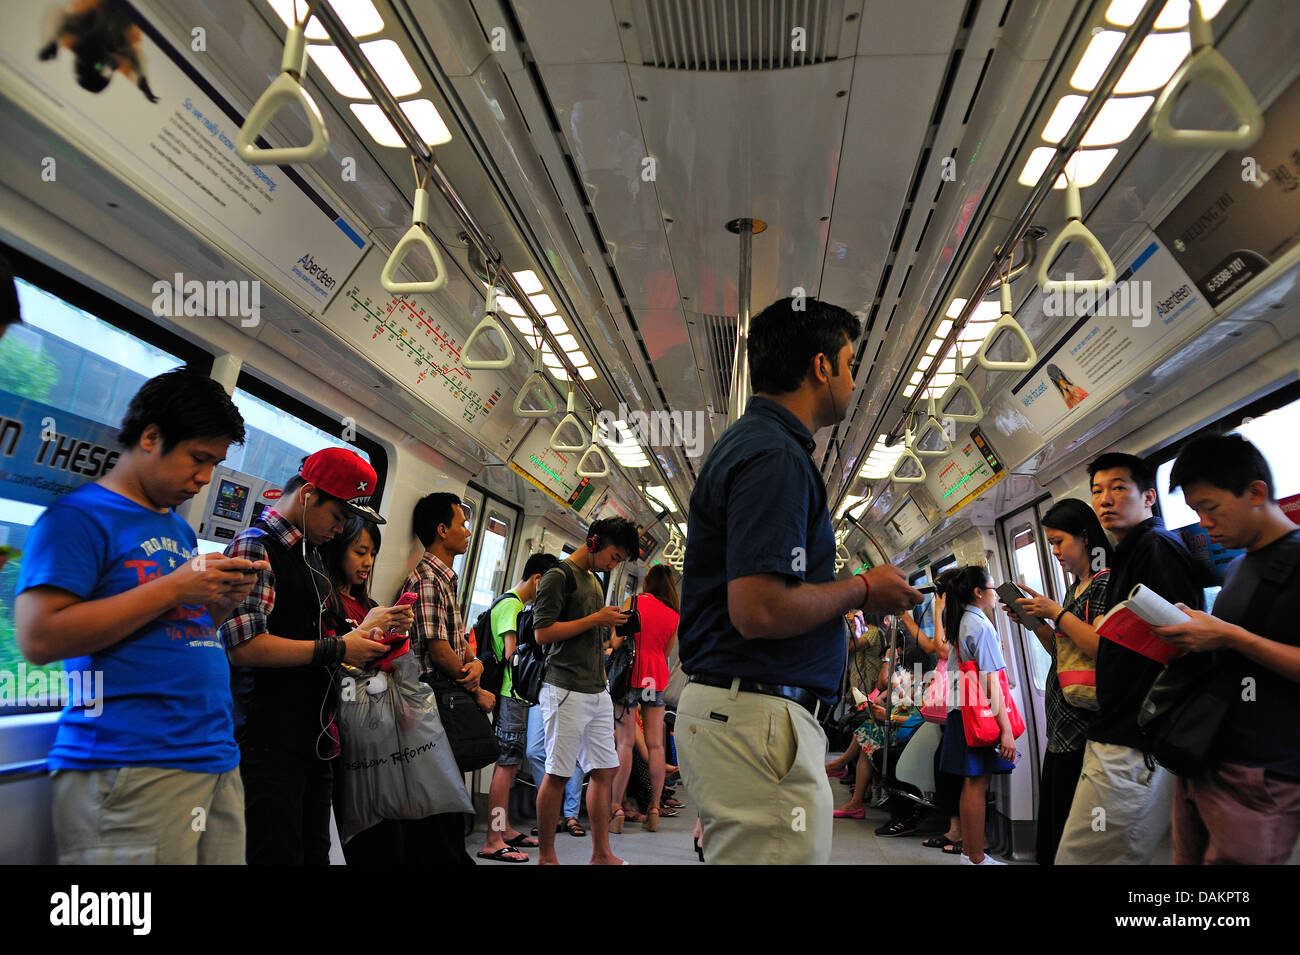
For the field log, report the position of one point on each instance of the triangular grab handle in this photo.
(961, 384)
(536, 382)
(931, 421)
(490, 322)
(1075, 230)
(569, 417)
(582, 469)
(285, 89)
(417, 234)
(1007, 321)
(1207, 63)
(908, 454)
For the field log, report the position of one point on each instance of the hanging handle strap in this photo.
(961, 384)
(284, 90)
(931, 422)
(1007, 322)
(491, 322)
(583, 470)
(1075, 230)
(569, 418)
(536, 383)
(1207, 63)
(416, 235)
(907, 454)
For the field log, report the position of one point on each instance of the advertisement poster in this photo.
(1291, 507)
(167, 121)
(1245, 212)
(1151, 300)
(46, 452)
(1213, 558)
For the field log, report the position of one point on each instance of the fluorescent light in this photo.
(424, 117)
(422, 114)
(390, 63)
(1115, 121)
(974, 332)
(1101, 50)
(528, 281)
(984, 311)
(543, 304)
(933, 347)
(1122, 13)
(658, 494)
(1155, 62)
(552, 361)
(851, 501)
(567, 343)
(909, 391)
(524, 325)
(359, 17)
(1085, 166)
(556, 324)
(335, 68)
(577, 357)
(916, 378)
(508, 305)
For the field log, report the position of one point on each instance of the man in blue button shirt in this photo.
(762, 635)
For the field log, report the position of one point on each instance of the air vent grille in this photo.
(727, 35)
(720, 344)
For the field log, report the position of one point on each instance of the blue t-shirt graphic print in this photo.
(165, 697)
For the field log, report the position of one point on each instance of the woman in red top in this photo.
(659, 607)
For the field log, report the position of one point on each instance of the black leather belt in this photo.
(795, 694)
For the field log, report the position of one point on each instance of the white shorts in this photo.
(579, 730)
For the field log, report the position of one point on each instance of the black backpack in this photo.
(528, 665)
(494, 668)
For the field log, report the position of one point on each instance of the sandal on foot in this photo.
(952, 849)
(522, 841)
(503, 855)
(651, 821)
(616, 819)
(571, 826)
(938, 842)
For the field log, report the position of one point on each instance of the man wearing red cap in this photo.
(282, 682)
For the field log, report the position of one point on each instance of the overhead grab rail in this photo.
(908, 454)
(1207, 63)
(1007, 322)
(1020, 228)
(284, 90)
(593, 448)
(931, 423)
(1073, 231)
(418, 235)
(350, 49)
(569, 418)
(537, 383)
(491, 322)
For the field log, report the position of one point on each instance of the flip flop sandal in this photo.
(502, 855)
(952, 849)
(522, 841)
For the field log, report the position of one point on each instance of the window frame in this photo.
(277, 397)
(1225, 422)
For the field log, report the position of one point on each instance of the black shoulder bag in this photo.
(1184, 710)
(622, 662)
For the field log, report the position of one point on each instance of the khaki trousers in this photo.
(755, 767)
(1121, 809)
(143, 815)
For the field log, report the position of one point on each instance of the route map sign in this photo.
(408, 338)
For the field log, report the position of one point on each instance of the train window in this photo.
(489, 572)
(1271, 429)
(1027, 567)
(75, 364)
(924, 614)
(943, 564)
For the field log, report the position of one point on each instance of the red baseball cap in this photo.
(346, 475)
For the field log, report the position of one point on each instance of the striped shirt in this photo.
(437, 612)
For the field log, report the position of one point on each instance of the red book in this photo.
(1129, 624)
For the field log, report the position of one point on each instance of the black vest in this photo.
(288, 704)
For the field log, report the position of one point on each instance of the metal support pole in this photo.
(740, 389)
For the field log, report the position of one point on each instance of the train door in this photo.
(493, 540)
(1029, 562)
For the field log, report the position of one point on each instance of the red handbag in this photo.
(934, 702)
(977, 717)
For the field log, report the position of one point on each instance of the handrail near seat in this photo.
(1207, 63)
(284, 90)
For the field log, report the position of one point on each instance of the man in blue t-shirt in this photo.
(762, 629)
(145, 770)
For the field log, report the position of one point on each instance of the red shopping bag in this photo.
(934, 702)
(977, 715)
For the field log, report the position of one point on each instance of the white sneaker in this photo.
(987, 860)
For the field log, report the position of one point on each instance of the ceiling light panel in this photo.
(1123, 13)
(390, 63)
(330, 62)
(528, 281)
(359, 17)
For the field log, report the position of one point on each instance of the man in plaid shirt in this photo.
(439, 644)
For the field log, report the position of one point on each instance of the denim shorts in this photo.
(640, 697)
(512, 731)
